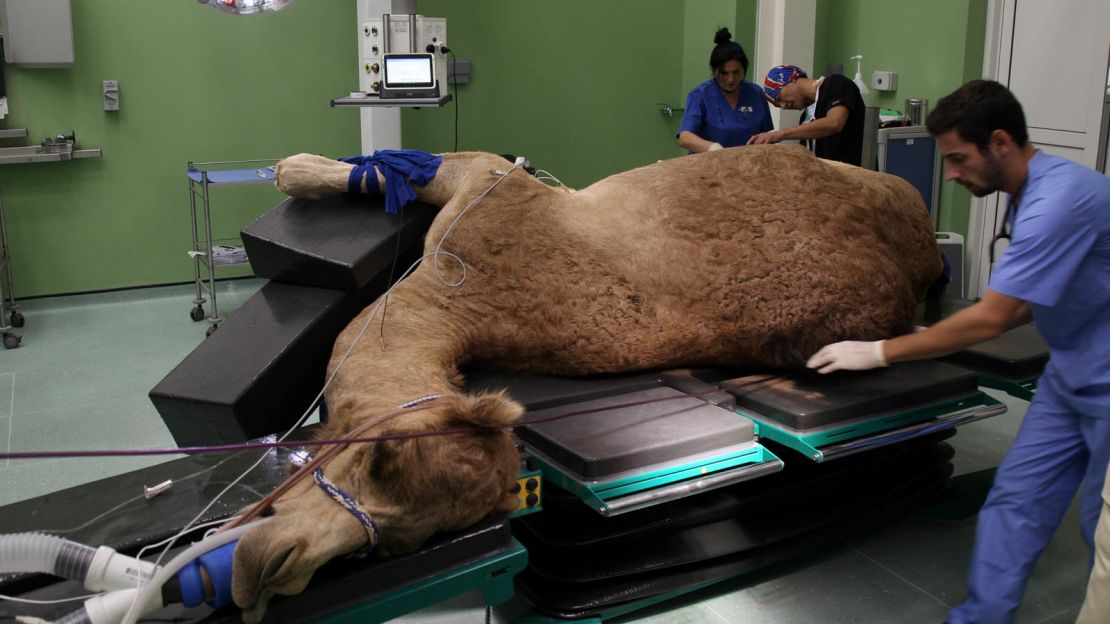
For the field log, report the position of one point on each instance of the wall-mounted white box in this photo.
(884, 80)
(37, 33)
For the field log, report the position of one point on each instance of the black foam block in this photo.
(1018, 354)
(338, 241)
(261, 369)
(807, 401)
(665, 426)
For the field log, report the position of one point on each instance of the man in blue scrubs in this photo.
(724, 111)
(1056, 271)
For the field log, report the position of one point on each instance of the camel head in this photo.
(412, 488)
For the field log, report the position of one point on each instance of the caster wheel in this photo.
(196, 314)
(11, 341)
(211, 329)
(17, 319)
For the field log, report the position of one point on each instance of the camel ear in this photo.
(488, 410)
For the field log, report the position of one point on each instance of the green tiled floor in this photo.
(81, 377)
(81, 380)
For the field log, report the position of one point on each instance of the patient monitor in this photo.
(409, 75)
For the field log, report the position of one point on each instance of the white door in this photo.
(1053, 56)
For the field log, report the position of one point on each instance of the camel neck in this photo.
(453, 174)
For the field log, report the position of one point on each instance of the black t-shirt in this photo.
(847, 145)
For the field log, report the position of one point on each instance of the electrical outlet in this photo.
(111, 95)
(884, 80)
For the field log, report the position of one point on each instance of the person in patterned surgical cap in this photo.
(833, 124)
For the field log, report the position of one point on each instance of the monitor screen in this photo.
(408, 71)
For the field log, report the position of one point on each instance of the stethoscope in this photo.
(1006, 228)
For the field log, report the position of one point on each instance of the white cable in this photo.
(541, 174)
(203, 525)
(48, 602)
(439, 246)
(150, 589)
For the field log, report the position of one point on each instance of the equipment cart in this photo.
(216, 253)
(52, 149)
(7, 291)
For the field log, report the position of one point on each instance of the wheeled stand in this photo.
(8, 307)
(203, 175)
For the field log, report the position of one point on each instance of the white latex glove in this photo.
(714, 147)
(848, 355)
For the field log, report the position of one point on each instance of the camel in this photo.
(745, 257)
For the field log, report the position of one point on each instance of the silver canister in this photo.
(916, 111)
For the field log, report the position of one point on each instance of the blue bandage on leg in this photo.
(399, 168)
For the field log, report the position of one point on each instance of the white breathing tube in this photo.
(103, 570)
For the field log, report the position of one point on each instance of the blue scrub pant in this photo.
(1064, 441)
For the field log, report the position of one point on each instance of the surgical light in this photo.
(246, 7)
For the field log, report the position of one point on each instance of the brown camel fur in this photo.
(751, 257)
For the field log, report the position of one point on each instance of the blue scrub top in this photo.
(709, 115)
(1059, 261)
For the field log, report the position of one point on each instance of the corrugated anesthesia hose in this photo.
(98, 569)
(45, 554)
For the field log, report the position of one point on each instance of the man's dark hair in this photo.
(977, 109)
(727, 50)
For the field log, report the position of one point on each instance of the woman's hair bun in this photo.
(722, 36)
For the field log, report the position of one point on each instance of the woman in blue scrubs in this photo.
(724, 111)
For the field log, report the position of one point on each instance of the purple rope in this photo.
(231, 448)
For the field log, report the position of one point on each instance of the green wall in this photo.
(701, 20)
(195, 85)
(934, 46)
(574, 85)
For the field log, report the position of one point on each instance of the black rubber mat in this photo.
(574, 600)
(338, 241)
(536, 392)
(345, 583)
(636, 436)
(113, 512)
(808, 401)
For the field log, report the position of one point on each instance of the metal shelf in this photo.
(374, 100)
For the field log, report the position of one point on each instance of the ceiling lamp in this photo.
(246, 7)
